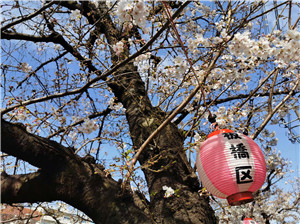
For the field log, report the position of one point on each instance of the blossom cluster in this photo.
(118, 48)
(194, 43)
(88, 126)
(75, 14)
(128, 11)
(169, 191)
(20, 114)
(25, 67)
(284, 50)
(227, 116)
(181, 65)
(115, 106)
(142, 62)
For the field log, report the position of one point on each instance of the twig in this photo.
(28, 16)
(271, 92)
(256, 89)
(270, 115)
(98, 114)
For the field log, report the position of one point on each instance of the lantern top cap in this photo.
(220, 131)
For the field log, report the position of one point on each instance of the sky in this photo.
(289, 150)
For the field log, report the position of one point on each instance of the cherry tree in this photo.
(105, 103)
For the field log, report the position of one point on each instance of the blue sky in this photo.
(288, 150)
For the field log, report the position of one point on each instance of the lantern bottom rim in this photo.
(240, 198)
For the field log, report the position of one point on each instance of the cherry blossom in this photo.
(128, 11)
(118, 48)
(75, 14)
(20, 114)
(169, 191)
(88, 126)
(25, 67)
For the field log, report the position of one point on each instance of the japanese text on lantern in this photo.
(239, 150)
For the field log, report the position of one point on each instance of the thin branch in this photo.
(99, 135)
(98, 114)
(27, 17)
(268, 181)
(265, 12)
(278, 17)
(39, 67)
(87, 142)
(209, 105)
(270, 115)
(45, 98)
(290, 14)
(255, 90)
(271, 92)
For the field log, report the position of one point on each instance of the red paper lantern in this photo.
(231, 165)
(249, 221)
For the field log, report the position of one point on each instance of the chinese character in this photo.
(243, 174)
(239, 151)
(231, 135)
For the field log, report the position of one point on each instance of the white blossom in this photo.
(118, 48)
(221, 110)
(20, 114)
(114, 106)
(89, 126)
(220, 25)
(75, 14)
(169, 191)
(202, 40)
(293, 34)
(192, 44)
(123, 11)
(73, 135)
(128, 11)
(25, 67)
(96, 2)
(181, 64)
(197, 137)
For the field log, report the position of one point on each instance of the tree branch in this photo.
(98, 114)
(38, 151)
(77, 181)
(217, 101)
(30, 188)
(271, 113)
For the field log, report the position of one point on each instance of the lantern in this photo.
(249, 221)
(231, 165)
